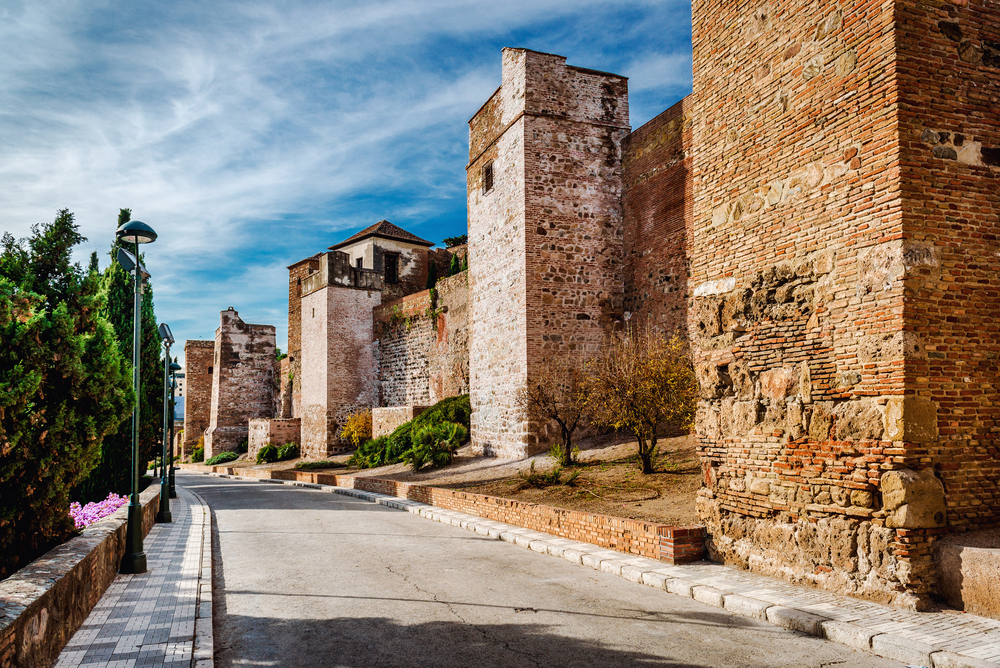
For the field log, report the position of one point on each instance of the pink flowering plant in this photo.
(97, 510)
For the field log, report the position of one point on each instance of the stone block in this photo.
(681, 587)
(746, 606)
(904, 650)
(847, 634)
(969, 575)
(913, 500)
(911, 418)
(709, 595)
(953, 660)
(796, 620)
(655, 580)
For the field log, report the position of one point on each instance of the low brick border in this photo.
(670, 544)
(43, 604)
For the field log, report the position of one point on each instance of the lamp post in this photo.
(174, 368)
(135, 233)
(163, 515)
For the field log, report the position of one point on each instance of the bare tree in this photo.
(642, 381)
(556, 395)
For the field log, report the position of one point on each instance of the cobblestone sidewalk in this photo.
(942, 639)
(150, 619)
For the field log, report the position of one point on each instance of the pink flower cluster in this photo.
(97, 510)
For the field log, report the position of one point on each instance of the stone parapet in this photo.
(385, 420)
(272, 432)
(43, 604)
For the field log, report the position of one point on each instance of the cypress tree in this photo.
(432, 275)
(456, 265)
(63, 387)
(117, 289)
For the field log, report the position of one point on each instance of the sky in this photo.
(251, 135)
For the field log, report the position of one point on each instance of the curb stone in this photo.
(671, 579)
(204, 639)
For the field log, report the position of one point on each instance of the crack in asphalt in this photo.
(486, 636)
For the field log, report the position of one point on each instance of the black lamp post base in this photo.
(163, 516)
(133, 563)
(134, 560)
(173, 493)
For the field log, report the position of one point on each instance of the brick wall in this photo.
(798, 272)
(296, 274)
(385, 420)
(545, 244)
(199, 359)
(243, 385)
(657, 204)
(338, 365)
(949, 138)
(422, 348)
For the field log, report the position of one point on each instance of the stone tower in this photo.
(243, 383)
(545, 231)
(199, 359)
(338, 365)
(845, 298)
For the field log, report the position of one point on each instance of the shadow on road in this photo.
(365, 642)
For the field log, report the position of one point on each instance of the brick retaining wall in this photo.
(43, 604)
(674, 545)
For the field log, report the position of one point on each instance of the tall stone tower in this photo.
(845, 297)
(545, 232)
(338, 365)
(243, 383)
(199, 360)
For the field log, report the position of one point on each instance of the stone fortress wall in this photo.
(243, 383)
(422, 345)
(545, 241)
(199, 358)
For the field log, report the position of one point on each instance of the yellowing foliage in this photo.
(358, 428)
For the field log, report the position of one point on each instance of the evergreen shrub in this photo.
(267, 455)
(222, 458)
(198, 454)
(288, 451)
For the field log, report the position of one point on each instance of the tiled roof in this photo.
(386, 230)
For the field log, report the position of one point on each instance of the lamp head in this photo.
(175, 367)
(165, 334)
(135, 232)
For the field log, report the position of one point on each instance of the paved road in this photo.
(308, 578)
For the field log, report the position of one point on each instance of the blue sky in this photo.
(251, 135)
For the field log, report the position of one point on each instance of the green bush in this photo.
(453, 409)
(221, 458)
(321, 464)
(242, 447)
(435, 445)
(288, 451)
(198, 455)
(390, 449)
(267, 455)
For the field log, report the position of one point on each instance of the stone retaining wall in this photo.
(275, 432)
(43, 604)
(674, 545)
(385, 420)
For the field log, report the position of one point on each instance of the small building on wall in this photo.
(399, 256)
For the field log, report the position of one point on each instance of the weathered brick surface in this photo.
(422, 348)
(199, 360)
(657, 205)
(948, 70)
(272, 432)
(291, 386)
(338, 365)
(385, 420)
(545, 242)
(243, 384)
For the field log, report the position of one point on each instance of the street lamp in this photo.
(163, 515)
(174, 368)
(135, 233)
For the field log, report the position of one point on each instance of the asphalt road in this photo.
(308, 578)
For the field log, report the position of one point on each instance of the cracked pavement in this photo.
(304, 578)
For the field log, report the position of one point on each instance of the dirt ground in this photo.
(608, 479)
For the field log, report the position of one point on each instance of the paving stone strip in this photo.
(941, 639)
(162, 617)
